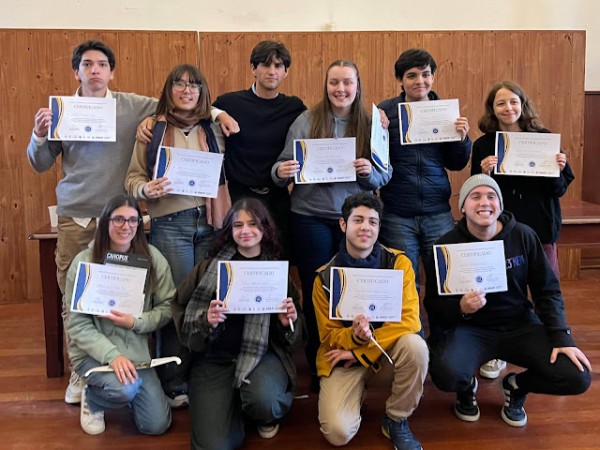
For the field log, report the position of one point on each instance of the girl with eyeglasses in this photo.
(120, 339)
(182, 225)
(242, 363)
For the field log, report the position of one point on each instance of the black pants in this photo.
(456, 354)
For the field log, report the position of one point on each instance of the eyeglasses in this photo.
(180, 86)
(119, 221)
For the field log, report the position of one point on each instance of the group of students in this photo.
(239, 367)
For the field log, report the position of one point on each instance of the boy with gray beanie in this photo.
(468, 330)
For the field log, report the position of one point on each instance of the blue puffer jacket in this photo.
(419, 185)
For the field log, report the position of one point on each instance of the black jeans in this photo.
(457, 353)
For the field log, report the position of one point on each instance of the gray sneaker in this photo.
(73, 392)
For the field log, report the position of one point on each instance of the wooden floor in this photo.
(33, 414)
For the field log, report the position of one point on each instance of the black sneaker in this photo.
(466, 403)
(513, 412)
(399, 433)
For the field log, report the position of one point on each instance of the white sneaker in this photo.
(178, 400)
(492, 368)
(91, 423)
(73, 392)
(268, 431)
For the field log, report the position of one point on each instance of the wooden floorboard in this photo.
(33, 414)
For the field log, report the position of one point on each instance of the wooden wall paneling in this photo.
(391, 48)
(591, 166)
(36, 63)
(307, 69)
(575, 110)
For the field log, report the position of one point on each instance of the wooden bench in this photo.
(580, 224)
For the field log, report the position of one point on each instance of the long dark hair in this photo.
(529, 120)
(166, 104)
(139, 244)
(269, 245)
(359, 123)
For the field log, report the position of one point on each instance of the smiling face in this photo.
(362, 231)
(246, 234)
(507, 109)
(482, 209)
(186, 99)
(342, 86)
(121, 236)
(417, 83)
(94, 74)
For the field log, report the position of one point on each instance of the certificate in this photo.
(252, 287)
(102, 287)
(527, 154)
(376, 293)
(325, 160)
(429, 121)
(191, 172)
(461, 268)
(83, 119)
(380, 143)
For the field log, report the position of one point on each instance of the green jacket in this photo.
(100, 338)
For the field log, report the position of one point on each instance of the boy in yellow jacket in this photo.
(349, 356)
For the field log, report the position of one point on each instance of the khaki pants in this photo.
(342, 393)
(72, 239)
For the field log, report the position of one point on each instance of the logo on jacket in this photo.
(515, 262)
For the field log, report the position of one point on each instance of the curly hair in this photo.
(269, 244)
(529, 120)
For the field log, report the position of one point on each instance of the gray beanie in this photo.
(480, 179)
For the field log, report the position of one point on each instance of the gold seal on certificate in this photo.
(83, 119)
(380, 142)
(429, 121)
(102, 287)
(252, 287)
(325, 160)
(461, 268)
(376, 293)
(191, 172)
(527, 154)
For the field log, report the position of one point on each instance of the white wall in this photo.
(316, 15)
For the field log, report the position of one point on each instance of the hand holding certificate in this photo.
(191, 172)
(380, 144)
(100, 288)
(252, 287)
(325, 160)
(527, 154)
(83, 119)
(376, 293)
(461, 268)
(429, 121)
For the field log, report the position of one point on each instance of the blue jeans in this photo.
(457, 353)
(183, 238)
(315, 241)
(415, 236)
(217, 408)
(151, 412)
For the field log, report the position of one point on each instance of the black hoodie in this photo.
(526, 267)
